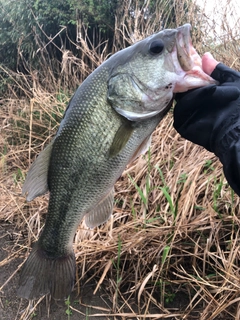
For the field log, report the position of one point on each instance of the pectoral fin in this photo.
(101, 212)
(36, 181)
(143, 148)
(121, 138)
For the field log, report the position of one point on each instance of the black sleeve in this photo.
(210, 117)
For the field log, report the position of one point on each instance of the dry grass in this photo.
(175, 240)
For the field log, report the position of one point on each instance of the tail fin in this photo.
(41, 275)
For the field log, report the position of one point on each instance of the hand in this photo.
(210, 117)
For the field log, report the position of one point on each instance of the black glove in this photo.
(210, 117)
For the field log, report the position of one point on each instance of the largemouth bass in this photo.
(107, 124)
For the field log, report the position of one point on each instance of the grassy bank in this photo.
(171, 248)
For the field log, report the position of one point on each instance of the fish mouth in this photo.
(185, 49)
(189, 61)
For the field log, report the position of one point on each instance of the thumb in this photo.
(208, 63)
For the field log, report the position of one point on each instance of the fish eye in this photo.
(156, 47)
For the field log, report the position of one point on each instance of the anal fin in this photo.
(101, 212)
(36, 181)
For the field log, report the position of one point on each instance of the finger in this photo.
(224, 95)
(188, 103)
(222, 73)
(208, 63)
(205, 99)
(194, 95)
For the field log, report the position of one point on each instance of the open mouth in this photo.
(185, 50)
(190, 61)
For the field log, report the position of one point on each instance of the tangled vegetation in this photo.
(171, 248)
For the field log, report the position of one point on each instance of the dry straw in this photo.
(171, 248)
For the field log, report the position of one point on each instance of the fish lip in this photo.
(184, 45)
(184, 31)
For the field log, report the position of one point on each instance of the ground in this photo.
(83, 306)
(11, 307)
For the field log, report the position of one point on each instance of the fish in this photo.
(107, 124)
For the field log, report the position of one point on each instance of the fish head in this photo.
(144, 77)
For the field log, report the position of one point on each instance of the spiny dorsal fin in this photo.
(36, 181)
(101, 212)
(121, 138)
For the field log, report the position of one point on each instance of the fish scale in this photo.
(107, 124)
(82, 150)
